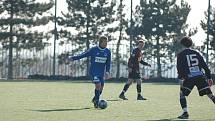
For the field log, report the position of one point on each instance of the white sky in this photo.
(196, 15)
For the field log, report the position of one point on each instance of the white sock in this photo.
(185, 110)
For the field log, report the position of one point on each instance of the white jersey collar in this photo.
(100, 48)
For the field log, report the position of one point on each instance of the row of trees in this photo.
(160, 22)
(17, 23)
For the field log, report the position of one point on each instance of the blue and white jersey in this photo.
(100, 60)
(190, 64)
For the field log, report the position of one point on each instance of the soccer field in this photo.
(67, 101)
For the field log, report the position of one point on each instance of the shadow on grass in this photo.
(170, 119)
(176, 119)
(64, 109)
(113, 100)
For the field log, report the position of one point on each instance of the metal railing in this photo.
(31, 62)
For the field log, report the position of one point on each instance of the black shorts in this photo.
(134, 75)
(201, 84)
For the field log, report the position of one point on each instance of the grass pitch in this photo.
(67, 101)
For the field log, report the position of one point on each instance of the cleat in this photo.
(96, 105)
(140, 97)
(122, 96)
(93, 100)
(185, 115)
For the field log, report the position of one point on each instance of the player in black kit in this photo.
(190, 66)
(134, 71)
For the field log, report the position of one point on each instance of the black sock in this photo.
(138, 88)
(212, 98)
(183, 101)
(100, 92)
(97, 94)
(125, 88)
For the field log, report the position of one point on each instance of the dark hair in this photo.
(140, 41)
(186, 41)
(102, 38)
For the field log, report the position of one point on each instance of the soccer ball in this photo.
(102, 104)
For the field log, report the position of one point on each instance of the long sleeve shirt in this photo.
(190, 64)
(135, 59)
(100, 60)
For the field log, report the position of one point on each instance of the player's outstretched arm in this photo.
(82, 55)
(179, 67)
(145, 63)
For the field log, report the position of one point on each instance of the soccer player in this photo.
(100, 66)
(134, 71)
(189, 66)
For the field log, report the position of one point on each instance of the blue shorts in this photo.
(97, 79)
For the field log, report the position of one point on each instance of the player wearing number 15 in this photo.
(189, 66)
(100, 66)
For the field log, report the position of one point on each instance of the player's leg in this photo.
(96, 80)
(97, 94)
(102, 85)
(125, 88)
(185, 89)
(139, 96)
(183, 103)
(204, 88)
(212, 97)
(100, 90)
